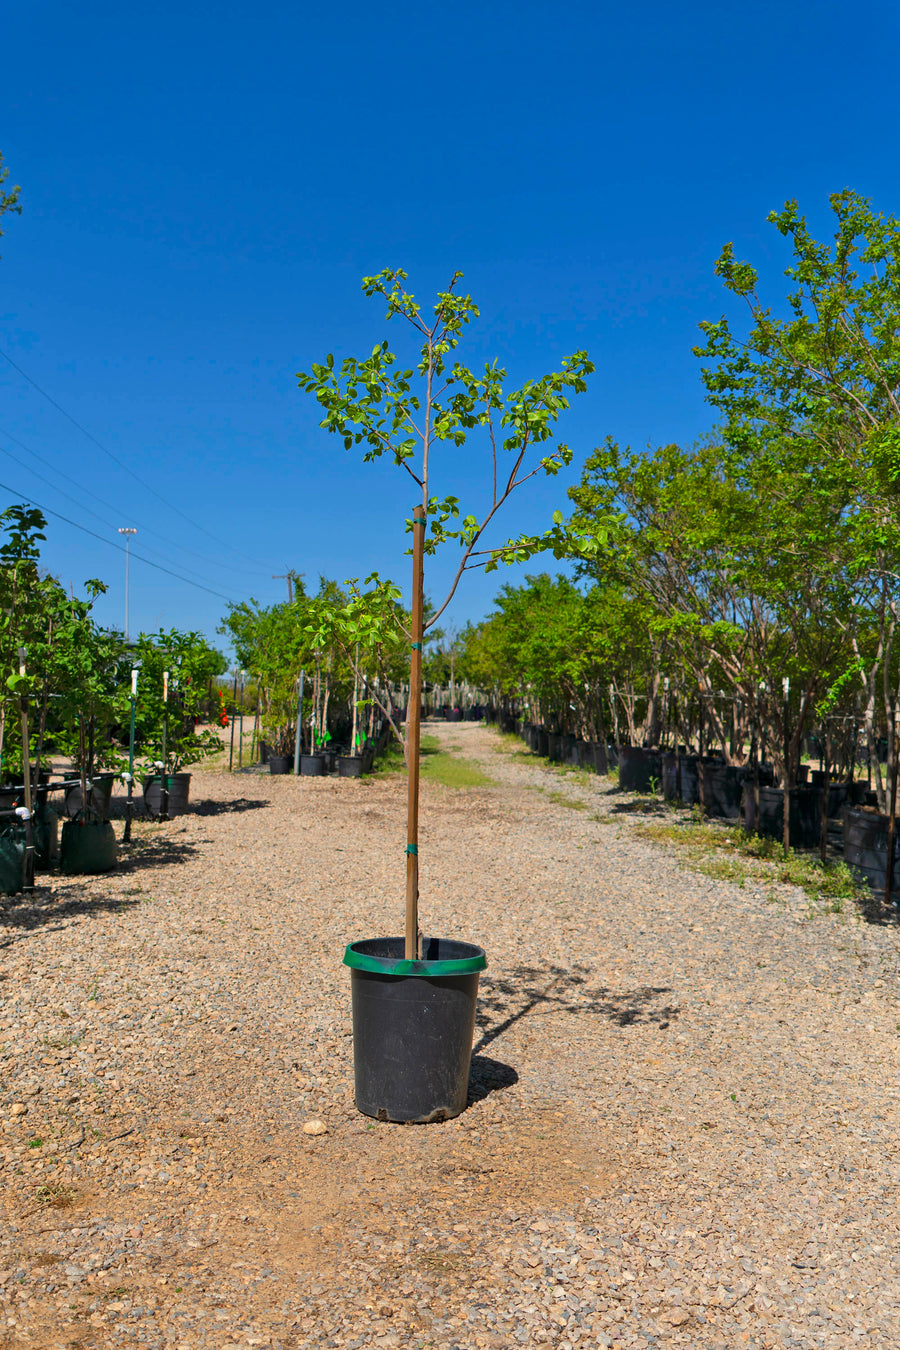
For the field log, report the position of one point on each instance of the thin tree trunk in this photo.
(413, 937)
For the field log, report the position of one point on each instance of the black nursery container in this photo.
(312, 766)
(12, 856)
(179, 787)
(636, 768)
(805, 808)
(45, 833)
(280, 763)
(413, 1023)
(866, 850)
(670, 776)
(689, 779)
(721, 789)
(100, 795)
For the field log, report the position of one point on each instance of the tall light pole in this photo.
(128, 531)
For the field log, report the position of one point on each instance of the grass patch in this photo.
(441, 1261)
(56, 1196)
(437, 765)
(572, 802)
(728, 853)
(63, 1042)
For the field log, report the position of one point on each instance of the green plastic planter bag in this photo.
(12, 856)
(88, 846)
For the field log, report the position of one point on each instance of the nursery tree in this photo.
(270, 643)
(191, 663)
(408, 414)
(816, 394)
(741, 601)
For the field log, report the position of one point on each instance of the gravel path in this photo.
(684, 1096)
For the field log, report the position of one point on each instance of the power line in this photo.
(81, 505)
(117, 510)
(122, 465)
(112, 544)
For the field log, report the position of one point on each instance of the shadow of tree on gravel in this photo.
(529, 992)
(42, 908)
(213, 808)
(117, 809)
(488, 1075)
(642, 806)
(161, 852)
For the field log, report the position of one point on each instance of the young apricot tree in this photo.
(408, 414)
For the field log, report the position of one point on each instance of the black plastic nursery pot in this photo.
(45, 832)
(806, 823)
(413, 1023)
(350, 766)
(670, 776)
(100, 795)
(636, 768)
(600, 752)
(280, 763)
(569, 751)
(88, 847)
(312, 766)
(179, 786)
(721, 787)
(12, 856)
(866, 850)
(689, 779)
(585, 752)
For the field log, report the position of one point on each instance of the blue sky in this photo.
(204, 186)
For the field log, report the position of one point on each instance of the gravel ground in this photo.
(684, 1096)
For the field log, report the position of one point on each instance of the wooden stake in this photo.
(164, 788)
(413, 942)
(129, 805)
(233, 715)
(241, 730)
(28, 861)
(892, 807)
(786, 786)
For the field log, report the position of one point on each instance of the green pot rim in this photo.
(385, 965)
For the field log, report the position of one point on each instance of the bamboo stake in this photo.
(164, 790)
(241, 730)
(355, 702)
(413, 942)
(233, 701)
(28, 860)
(892, 817)
(129, 804)
(298, 730)
(254, 735)
(786, 809)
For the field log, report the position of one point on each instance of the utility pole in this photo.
(289, 578)
(128, 531)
